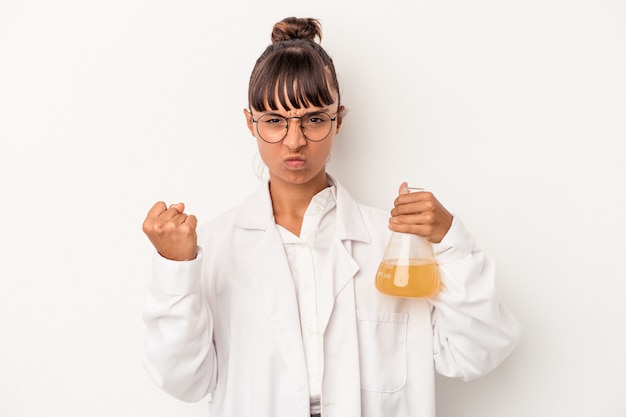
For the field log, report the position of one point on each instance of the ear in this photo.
(340, 113)
(248, 116)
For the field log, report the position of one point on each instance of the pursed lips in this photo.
(294, 161)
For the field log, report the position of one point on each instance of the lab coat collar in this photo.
(256, 213)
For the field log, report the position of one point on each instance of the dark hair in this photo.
(294, 68)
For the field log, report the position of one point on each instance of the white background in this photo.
(513, 113)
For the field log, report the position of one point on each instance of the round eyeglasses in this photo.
(315, 126)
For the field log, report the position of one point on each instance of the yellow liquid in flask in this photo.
(416, 278)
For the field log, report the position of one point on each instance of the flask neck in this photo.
(408, 246)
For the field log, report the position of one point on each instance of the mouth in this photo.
(294, 162)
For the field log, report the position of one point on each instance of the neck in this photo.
(290, 201)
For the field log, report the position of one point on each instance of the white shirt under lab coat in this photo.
(226, 325)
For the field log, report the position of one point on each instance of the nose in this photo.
(294, 138)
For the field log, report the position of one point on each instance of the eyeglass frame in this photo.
(256, 122)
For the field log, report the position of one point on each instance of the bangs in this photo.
(291, 78)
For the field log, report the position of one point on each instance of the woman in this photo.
(271, 308)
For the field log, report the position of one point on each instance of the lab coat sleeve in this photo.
(179, 353)
(473, 331)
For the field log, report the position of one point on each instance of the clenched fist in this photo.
(172, 232)
(421, 214)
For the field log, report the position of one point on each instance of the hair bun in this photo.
(296, 28)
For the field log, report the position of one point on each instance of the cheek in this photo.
(266, 150)
(328, 145)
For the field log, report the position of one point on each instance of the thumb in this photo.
(179, 207)
(404, 188)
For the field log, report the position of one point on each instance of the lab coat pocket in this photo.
(382, 350)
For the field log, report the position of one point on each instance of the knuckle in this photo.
(161, 227)
(188, 231)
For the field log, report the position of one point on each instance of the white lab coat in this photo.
(226, 324)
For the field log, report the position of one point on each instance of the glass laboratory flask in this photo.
(408, 268)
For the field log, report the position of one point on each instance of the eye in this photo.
(316, 118)
(270, 119)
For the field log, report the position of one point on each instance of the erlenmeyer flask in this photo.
(408, 268)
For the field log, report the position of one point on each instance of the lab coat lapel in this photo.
(340, 266)
(338, 271)
(337, 322)
(269, 271)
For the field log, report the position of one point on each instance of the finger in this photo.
(414, 219)
(179, 218)
(158, 208)
(409, 201)
(415, 195)
(192, 221)
(185, 225)
(415, 229)
(179, 207)
(173, 211)
(188, 220)
(414, 207)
